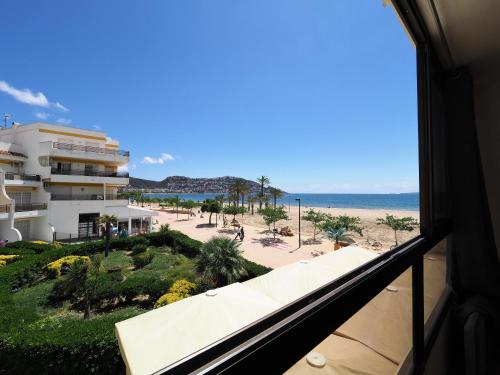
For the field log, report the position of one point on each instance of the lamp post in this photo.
(300, 242)
(177, 205)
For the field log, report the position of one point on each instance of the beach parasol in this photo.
(338, 355)
(288, 283)
(156, 339)
(385, 323)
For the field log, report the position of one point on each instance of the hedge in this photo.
(29, 344)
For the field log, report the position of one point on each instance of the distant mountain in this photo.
(181, 184)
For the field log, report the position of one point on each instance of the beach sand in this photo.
(259, 247)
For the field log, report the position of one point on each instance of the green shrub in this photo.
(254, 270)
(139, 248)
(143, 284)
(177, 241)
(30, 343)
(128, 243)
(59, 293)
(24, 247)
(143, 259)
(61, 346)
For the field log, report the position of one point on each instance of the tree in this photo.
(251, 202)
(220, 198)
(188, 205)
(262, 180)
(262, 199)
(107, 220)
(163, 231)
(275, 193)
(220, 261)
(211, 206)
(316, 218)
(239, 188)
(337, 228)
(234, 210)
(233, 198)
(272, 215)
(407, 224)
(83, 279)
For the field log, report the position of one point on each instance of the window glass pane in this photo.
(434, 276)
(375, 340)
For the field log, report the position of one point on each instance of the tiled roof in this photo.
(3, 152)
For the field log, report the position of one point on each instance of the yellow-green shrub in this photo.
(57, 245)
(183, 288)
(179, 290)
(54, 269)
(4, 259)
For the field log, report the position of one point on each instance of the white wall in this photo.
(64, 215)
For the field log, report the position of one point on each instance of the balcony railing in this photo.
(22, 207)
(73, 237)
(83, 197)
(4, 208)
(86, 172)
(21, 176)
(93, 149)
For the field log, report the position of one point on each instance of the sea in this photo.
(402, 201)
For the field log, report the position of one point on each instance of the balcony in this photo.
(28, 210)
(84, 197)
(68, 150)
(88, 176)
(23, 207)
(21, 179)
(11, 176)
(86, 172)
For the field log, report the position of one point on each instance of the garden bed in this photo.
(43, 330)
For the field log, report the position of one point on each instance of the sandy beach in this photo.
(258, 245)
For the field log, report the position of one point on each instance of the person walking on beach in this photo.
(238, 234)
(242, 234)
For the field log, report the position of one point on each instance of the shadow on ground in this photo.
(205, 226)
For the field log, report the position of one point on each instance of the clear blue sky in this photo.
(318, 95)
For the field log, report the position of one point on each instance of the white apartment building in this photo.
(55, 181)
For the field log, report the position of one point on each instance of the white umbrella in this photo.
(338, 355)
(288, 283)
(158, 338)
(385, 323)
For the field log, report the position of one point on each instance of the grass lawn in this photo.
(165, 266)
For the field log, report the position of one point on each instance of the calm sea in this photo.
(406, 201)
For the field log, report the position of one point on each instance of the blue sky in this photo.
(318, 95)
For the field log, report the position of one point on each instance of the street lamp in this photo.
(300, 242)
(177, 205)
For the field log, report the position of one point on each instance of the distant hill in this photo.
(181, 184)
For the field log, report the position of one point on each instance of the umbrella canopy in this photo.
(338, 355)
(156, 339)
(385, 323)
(288, 283)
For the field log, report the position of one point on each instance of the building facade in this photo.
(55, 181)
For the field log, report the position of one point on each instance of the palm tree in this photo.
(83, 279)
(163, 231)
(245, 189)
(220, 261)
(263, 199)
(239, 188)
(220, 198)
(275, 193)
(262, 180)
(251, 202)
(107, 220)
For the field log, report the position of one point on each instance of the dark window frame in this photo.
(274, 343)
